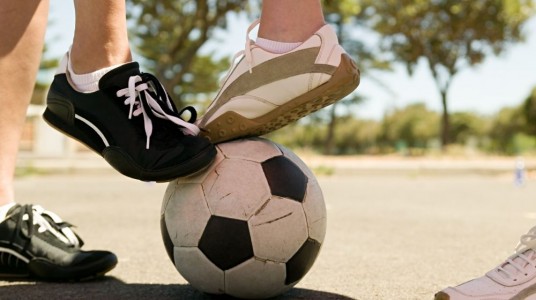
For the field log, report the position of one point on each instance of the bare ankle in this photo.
(86, 60)
(290, 21)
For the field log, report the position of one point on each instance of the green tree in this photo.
(357, 136)
(466, 126)
(413, 127)
(448, 34)
(506, 126)
(343, 14)
(302, 134)
(529, 113)
(168, 35)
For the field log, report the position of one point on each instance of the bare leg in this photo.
(22, 29)
(290, 20)
(100, 38)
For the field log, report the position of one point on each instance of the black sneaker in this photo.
(132, 123)
(37, 243)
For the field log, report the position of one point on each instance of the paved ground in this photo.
(390, 236)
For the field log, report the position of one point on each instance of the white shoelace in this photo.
(133, 93)
(519, 260)
(65, 234)
(246, 53)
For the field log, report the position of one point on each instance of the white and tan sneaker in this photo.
(265, 91)
(514, 279)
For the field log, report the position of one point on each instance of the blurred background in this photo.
(447, 98)
(439, 78)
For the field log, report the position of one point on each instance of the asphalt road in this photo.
(390, 236)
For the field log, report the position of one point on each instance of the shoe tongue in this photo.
(13, 209)
(118, 77)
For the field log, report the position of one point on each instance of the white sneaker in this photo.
(514, 279)
(265, 91)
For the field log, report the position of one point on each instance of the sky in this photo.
(498, 82)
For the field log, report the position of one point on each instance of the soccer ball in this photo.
(249, 226)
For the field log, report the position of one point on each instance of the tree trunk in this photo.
(443, 87)
(329, 146)
(445, 122)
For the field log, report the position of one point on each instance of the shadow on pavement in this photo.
(113, 288)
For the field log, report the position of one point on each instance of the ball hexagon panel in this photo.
(226, 242)
(254, 149)
(315, 211)
(285, 178)
(186, 216)
(302, 261)
(263, 279)
(210, 179)
(198, 270)
(200, 176)
(237, 189)
(278, 230)
(292, 156)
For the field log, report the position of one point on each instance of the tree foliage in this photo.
(466, 126)
(344, 16)
(413, 126)
(529, 112)
(507, 123)
(169, 34)
(448, 34)
(413, 130)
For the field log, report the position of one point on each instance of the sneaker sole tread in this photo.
(232, 125)
(441, 296)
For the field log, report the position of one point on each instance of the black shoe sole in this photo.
(11, 266)
(44, 270)
(125, 165)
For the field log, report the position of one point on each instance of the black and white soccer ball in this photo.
(249, 226)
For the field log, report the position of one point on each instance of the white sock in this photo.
(4, 209)
(275, 46)
(89, 82)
